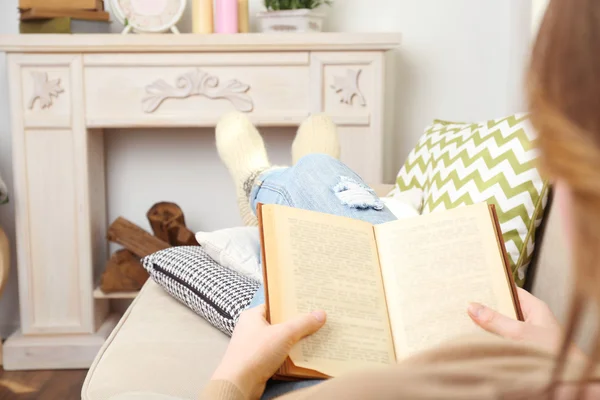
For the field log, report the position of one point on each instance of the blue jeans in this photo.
(320, 183)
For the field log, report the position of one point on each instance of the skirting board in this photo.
(55, 352)
(5, 331)
(8, 329)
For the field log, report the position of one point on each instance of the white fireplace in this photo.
(66, 90)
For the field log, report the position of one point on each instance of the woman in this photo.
(521, 361)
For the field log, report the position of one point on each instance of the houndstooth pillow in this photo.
(212, 291)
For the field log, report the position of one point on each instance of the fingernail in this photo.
(319, 316)
(475, 309)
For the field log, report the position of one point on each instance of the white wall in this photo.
(461, 60)
(538, 10)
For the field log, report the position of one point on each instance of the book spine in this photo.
(509, 274)
(55, 25)
(60, 4)
(202, 16)
(243, 16)
(227, 16)
(38, 13)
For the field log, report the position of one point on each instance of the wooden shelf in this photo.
(99, 294)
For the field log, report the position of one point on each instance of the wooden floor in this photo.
(41, 385)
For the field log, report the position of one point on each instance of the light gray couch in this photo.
(161, 347)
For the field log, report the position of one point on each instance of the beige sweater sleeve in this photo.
(478, 368)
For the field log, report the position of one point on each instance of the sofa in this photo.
(162, 350)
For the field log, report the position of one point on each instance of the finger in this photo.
(260, 310)
(526, 298)
(258, 313)
(526, 301)
(304, 325)
(529, 303)
(524, 294)
(494, 322)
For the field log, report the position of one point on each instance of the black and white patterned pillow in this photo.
(212, 291)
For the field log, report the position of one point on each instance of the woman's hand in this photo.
(257, 349)
(540, 326)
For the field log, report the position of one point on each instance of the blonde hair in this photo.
(564, 97)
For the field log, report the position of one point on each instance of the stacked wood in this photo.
(124, 272)
(91, 10)
(134, 238)
(168, 223)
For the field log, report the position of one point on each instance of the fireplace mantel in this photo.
(248, 42)
(65, 89)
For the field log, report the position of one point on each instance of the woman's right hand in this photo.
(257, 348)
(540, 325)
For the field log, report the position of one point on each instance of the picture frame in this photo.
(149, 16)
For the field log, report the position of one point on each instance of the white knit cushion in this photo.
(404, 204)
(235, 248)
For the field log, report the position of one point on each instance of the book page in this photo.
(330, 263)
(435, 265)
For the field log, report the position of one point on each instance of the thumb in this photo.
(494, 322)
(304, 325)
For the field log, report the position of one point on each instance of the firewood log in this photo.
(123, 273)
(168, 224)
(134, 238)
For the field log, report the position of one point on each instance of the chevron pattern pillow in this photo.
(458, 164)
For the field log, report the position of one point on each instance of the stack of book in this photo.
(54, 16)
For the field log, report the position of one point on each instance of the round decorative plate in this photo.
(150, 16)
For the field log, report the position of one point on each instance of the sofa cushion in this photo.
(214, 292)
(459, 164)
(159, 346)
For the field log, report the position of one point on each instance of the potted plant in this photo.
(292, 16)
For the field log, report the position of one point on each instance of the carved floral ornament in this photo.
(197, 83)
(347, 87)
(44, 90)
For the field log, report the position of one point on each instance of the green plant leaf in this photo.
(276, 5)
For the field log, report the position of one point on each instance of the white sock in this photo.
(242, 149)
(317, 134)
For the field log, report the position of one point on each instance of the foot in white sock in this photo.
(317, 134)
(242, 149)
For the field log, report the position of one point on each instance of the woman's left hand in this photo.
(257, 349)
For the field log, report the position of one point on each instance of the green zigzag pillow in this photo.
(458, 164)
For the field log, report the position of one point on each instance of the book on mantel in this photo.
(389, 290)
(54, 16)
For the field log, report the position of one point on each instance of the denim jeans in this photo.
(319, 183)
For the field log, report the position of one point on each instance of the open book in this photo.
(389, 290)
